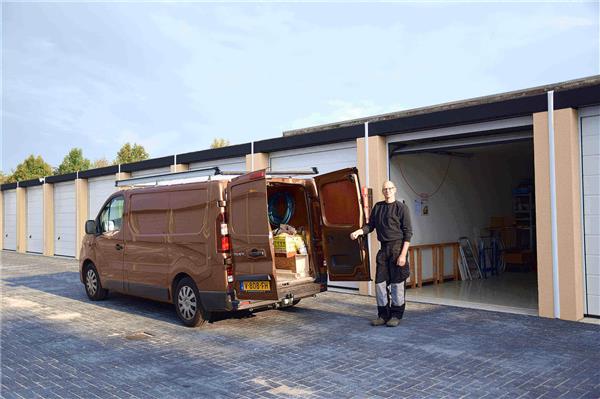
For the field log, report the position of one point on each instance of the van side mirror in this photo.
(90, 227)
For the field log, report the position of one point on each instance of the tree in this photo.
(73, 162)
(100, 163)
(3, 178)
(31, 168)
(129, 153)
(219, 142)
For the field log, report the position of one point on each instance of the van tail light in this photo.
(223, 243)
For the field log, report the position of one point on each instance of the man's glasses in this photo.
(389, 189)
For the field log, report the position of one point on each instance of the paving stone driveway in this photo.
(57, 344)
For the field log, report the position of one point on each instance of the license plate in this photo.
(256, 286)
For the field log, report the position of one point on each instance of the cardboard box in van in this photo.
(208, 246)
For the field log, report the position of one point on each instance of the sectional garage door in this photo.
(35, 219)
(10, 219)
(326, 158)
(228, 164)
(590, 148)
(99, 189)
(150, 172)
(64, 219)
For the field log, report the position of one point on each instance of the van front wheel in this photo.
(187, 303)
(93, 287)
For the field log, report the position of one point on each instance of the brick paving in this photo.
(55, 343)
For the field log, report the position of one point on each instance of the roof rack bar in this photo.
(312, 171)
(168, 176)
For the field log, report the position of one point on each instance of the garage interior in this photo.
(482, 189)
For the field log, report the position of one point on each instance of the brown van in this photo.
(210, 246)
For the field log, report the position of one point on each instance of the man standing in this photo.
(392, 221)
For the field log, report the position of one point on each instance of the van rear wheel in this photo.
(187, 303)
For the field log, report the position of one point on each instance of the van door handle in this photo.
(119, 247)
(256, 253)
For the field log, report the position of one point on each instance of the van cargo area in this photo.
(290, 221)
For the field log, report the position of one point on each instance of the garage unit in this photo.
(477, 186)
(326, 158)
(590, 153)
(35, 219)
(10, 219)
(99, 189)
(65, 228)
(229, 164)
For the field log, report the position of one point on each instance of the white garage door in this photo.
(326, 158)
(35, 219)
(64, 219)
(10, 219)
(590, 148)
(99, 189)
(227, 164)
(150, 172)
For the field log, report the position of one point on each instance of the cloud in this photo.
(341, 110)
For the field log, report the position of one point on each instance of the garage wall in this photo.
(65, 219)
(9, 219)
(99, 189)
(326, 158)
(475, 189)
(590, 154)
(35, 219)
(227, 164)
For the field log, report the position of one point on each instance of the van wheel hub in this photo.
(186, 301)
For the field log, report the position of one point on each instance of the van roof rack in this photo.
(163, 177)
(311, 171)
(199, 175)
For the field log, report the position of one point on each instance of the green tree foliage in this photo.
(74, 161)
(100, 163)
(31, 168)
(131, 153)
(219, 142)
(3, 178)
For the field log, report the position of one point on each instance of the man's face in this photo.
(389, 190)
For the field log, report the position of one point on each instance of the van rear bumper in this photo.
(297, 291)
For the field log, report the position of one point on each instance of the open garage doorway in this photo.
(473, 215)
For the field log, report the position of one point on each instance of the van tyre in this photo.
(93, 286)
(187, 303)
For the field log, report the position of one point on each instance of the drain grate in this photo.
(137, 336)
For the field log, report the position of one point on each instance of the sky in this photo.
(173, 76)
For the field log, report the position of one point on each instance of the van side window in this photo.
(111, 218)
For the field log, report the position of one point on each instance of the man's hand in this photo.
(401, 260)
(354, 235)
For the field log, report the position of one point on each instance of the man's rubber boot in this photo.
(377, 322)
(393, 322)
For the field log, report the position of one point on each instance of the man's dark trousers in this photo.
(390, 281)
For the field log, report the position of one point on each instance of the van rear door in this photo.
(341, 214)
(251, 237)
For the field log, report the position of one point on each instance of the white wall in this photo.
(475, 189)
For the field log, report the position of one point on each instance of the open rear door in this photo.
(251, 238)
(342, 213)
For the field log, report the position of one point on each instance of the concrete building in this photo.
(474, 168)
